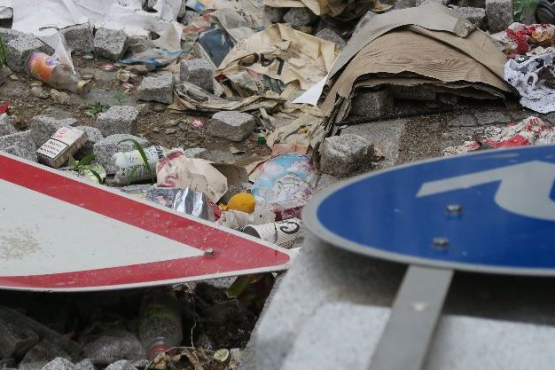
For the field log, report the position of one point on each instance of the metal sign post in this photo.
(488, 212)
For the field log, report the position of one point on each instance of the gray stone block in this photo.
(86, 364)
(386, 136)
(474, 15)
(363, 22)
(344, 154)
(463, 120)
(8, 34)
(198, 72)
(109, 43)
(493, 118)
(20, 144)
(330, 35)
(499, 14)
(371, 104)
(79, 37)
(16, 339)
(32, 365)
(120, 119)
(59, 363)
(158, 88)
(20, 48)
(93, 136)
(6, 127)
(273, 14)
(299, 17)
(45, 125)
(106, 148)
(121, 365)
(233, 126)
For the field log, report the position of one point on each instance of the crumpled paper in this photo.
(534, 79)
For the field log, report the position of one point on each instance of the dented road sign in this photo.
(61, 233)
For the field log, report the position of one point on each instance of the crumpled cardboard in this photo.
(282, 53)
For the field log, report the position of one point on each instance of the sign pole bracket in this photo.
(414, 316)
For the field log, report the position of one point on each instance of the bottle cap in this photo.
(83, 87)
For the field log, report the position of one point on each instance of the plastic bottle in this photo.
(60, 76)
(160, 326)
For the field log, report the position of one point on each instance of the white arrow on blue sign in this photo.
(492, 211)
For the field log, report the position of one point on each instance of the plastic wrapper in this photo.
(131, 167)
(176, 170)
(193, 203)
(286, 182)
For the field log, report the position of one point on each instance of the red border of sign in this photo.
(234, 253)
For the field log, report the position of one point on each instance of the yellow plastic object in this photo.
(243, 202)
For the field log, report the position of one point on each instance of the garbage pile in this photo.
(530, 131)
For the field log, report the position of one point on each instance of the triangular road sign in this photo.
(60, 233)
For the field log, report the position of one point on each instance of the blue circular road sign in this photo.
(492, 211)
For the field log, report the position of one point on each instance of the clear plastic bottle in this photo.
(160, 325)
(60, 76)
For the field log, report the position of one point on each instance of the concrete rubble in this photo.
(233, 126)
(158, 88)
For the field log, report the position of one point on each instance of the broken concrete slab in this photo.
(109, 43)
(79, 37)
(342, 155)
(20, 144)
(107, 147)
(158, 88)
(120, 119)
(499, 14)
(372, 104)
(198, 72)
(234, 126)
(298, 17)
(45, 125)
(385, 135)
(20, 48)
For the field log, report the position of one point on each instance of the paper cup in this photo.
(282, 233)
